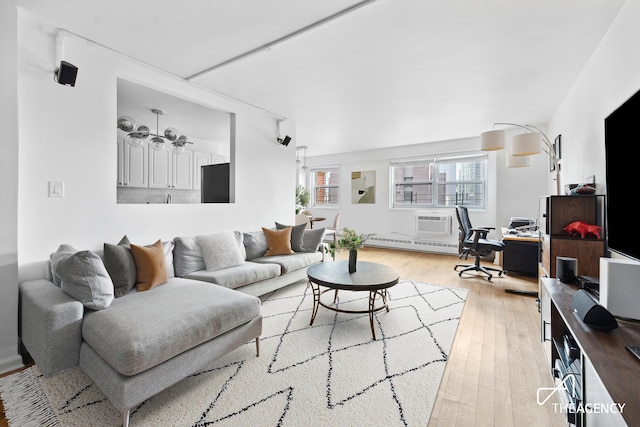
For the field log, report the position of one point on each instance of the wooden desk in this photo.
(521, 253)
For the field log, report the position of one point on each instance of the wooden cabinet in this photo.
(606, 373)
(133, 165)
(556, 212)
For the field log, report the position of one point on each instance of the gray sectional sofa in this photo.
(135, 343)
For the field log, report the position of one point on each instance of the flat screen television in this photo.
(622, 160)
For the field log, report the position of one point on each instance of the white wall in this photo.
(69, 135)
(610, 78)
(512, 192)
(9, 191)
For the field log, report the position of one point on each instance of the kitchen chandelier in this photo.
(137, 134)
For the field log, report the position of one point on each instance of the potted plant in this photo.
(303, 196)
(352, 241)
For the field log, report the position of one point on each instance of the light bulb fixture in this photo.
(533, 141)
(304, 166)
(136, 135)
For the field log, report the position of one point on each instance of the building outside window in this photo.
(325, 187)
(439, 182)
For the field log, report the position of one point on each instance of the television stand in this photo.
(608, 374)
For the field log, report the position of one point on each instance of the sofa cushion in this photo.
(187, 256)
(255, 244)
(239, 275)
(278, 241)
(293, 262)
(151, 267)
(312, 239)
(121, 266)
(83, 276)
(297, 231)
(220, 250)
(142, 330)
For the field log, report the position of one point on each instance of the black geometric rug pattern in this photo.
(331, 373)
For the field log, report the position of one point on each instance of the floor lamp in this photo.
(521, 147)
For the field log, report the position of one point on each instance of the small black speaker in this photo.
(66, 74)
(566, 269)
(592, 313)
(285, 141)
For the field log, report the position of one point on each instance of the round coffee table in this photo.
(369, 276)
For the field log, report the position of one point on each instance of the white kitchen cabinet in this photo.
(160, 169)
(133, 165)
(200, 159)
(182, 174)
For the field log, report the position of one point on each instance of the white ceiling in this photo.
(392, 72)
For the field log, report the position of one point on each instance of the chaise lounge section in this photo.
(139, 343)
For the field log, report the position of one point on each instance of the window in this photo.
(325, 187)
(439, 182)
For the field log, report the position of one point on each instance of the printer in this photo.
(519, 223)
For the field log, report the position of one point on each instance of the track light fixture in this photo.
(285, 141)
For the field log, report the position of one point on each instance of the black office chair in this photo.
(474, 242)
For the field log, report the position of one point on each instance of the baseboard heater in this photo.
(418, 244)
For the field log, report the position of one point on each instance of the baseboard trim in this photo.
(11, 364)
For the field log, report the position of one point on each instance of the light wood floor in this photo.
(497, 363)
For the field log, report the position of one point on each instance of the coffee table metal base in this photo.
(376, 294)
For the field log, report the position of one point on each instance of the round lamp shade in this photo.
(126, 123)
(526, 144)
(492, 140)
(518, 161)
(157, 143)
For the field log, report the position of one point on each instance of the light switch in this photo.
(56, 189)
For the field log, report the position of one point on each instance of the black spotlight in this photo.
(66, 74)
(285, 141)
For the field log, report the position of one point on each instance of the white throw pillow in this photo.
(220, 250)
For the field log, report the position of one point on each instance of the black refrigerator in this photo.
(215, 183)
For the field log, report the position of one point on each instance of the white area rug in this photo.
(329, 374)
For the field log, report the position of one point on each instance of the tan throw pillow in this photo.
(278, 241)
(151, 267)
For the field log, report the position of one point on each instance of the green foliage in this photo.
(303, 196)
(348, 239)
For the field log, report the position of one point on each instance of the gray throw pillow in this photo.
(187, 256)
(255, 244)
(220, 250)
(83, 276)
(297, 244)
(121, 267)
(313, 238)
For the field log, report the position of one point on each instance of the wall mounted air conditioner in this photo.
(427, 223)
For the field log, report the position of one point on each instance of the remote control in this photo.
(635, 350)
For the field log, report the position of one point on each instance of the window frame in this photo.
(313, 187)
(432, 163)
